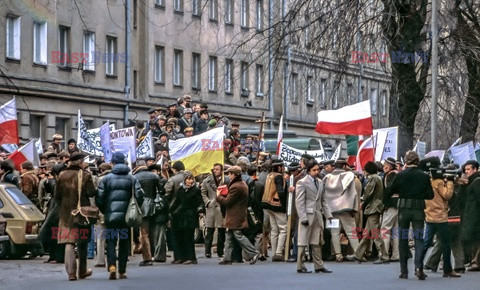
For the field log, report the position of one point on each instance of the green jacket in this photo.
(373, 195)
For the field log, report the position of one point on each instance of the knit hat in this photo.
(212, 123)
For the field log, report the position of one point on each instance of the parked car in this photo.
(23, 221)
(4, 238)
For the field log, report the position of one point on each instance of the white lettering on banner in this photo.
(289, 154)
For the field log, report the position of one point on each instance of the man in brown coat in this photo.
(29, 182)
(236, 204)
(66, 196)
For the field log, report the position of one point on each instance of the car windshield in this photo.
(18, 196)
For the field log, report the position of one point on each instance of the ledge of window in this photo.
(258, 31)
(178, 86)
(260, 95)
(159, 83)
(64, 68)
(178, 12)
(197, 16)
(39, 64)
(310, 102)
(244, 94)
(88, 72)
(229, 93)
(213, 20)
(114, 77)
(196, 89)
(229, 24)
(159, 6)
(244, 28)
(212, 91)
(12, 60)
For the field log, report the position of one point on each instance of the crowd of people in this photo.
(337, 214)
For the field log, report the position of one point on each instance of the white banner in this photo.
(106, 142)
(289, 154)
(123, 140)
(390, 148)
(381, 140)
(145, 148)
(421, 149)
(462, 153)
(38, 145)
(337, 152)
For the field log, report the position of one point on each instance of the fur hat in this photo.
(118, 158)
(178, 165)
(57, 137)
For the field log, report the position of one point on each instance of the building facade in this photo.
(61, 57)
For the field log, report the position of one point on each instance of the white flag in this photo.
(337, 152)
(145, 148)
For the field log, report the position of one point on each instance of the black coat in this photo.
(149, 181)
(471, 215)
(411, 183)
(114, 193)
(201, 126)
(184, 208)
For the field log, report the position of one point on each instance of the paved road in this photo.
(34, 274)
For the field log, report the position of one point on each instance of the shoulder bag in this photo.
(84, 215)
(133, 216)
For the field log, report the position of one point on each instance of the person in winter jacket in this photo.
(113, 196)
(184, 209)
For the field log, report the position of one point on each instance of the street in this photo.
(207, 274)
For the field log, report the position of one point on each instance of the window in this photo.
(135, 12)
(307, 31)
(177, 67)
(13, 37)
(196, 7)
(89, 50)
(196, 75)
(61, 128)
(374, 100)
(18, 196)
(244, 13)
(213, 10)
(212, 74)
(384, 102)
(229, 11)
(135, 84)
(64, 46)
(323, 93)
(336, 86)
(309, 89)
(111, 52)
(40, 42)
(293, 87)
(350, 96)
(229, 76)
(160, 3)
(259, 13)
(259, 80)
(159, 64)
(36, 126)
(178, 5)
(244, 79)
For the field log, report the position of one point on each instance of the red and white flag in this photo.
(280, 135)
(349, 120)
(366, 152)
(8, 123)
(27, 152)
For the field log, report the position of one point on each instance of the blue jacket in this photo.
(114, 193)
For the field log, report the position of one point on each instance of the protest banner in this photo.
(390, 147)
(123, 140)
(145, 148)
(289, 154)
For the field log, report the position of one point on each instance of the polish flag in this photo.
(280, 135)
(366, 152)
(8, 123)
(27, 152)
(349, 120)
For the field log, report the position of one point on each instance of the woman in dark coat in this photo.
(184, 208)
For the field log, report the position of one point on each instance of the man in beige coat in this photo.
(310, 204)
(213, 218)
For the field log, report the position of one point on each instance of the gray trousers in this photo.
(372, 229)
(390, 221)
(247, 247)
(159, 247)
(347, 223)
(316, 256)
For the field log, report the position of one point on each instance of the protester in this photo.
(67, 197)
(185, 206)
(113, 197)
(29, 182)
(390, 216)
(55, 146)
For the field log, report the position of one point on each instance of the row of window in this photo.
(213, 74)
(350, 96)
(63, 57)
(229, 10)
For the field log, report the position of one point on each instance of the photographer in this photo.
(436, 216)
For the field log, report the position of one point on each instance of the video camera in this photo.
(433, 166)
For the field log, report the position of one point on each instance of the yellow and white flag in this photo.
(199, 153)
